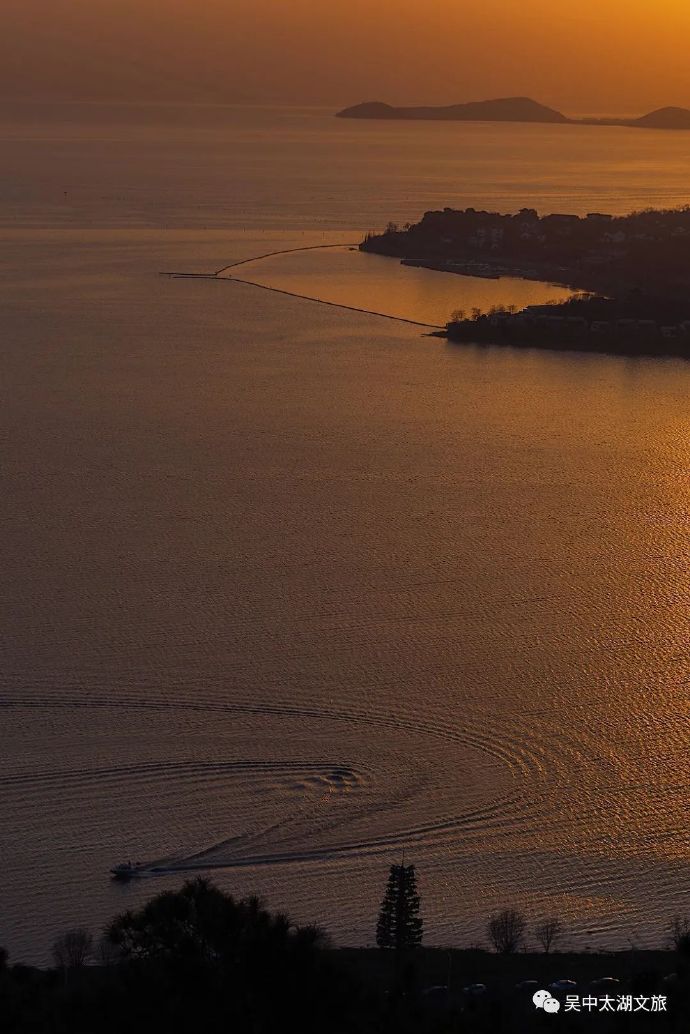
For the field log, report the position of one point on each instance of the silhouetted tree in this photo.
(547, 932)
(107, 953)
(506, 930)
(680, 933)
(399, 925)
(199, 954)
(72, 949)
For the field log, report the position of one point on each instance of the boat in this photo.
(125, 871)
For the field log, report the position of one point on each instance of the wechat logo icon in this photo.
(543, 1000)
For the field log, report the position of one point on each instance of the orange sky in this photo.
(609, 56)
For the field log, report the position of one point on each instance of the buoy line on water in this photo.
(294, 294)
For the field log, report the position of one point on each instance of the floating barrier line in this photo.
(293, 294)
(286, 251)
(335, 305)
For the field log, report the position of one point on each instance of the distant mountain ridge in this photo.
(665, 118)
(511, 109)
(504, 109)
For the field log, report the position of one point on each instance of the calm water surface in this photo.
(345, 276)
(289, 589)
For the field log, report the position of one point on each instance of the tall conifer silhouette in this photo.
(399, 925)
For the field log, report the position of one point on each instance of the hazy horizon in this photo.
(615, 61)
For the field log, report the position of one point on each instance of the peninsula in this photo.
(635, 270)
(512, 109)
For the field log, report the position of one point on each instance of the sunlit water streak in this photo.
(287, 590)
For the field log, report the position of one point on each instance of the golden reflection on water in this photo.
(259, 551)
(380, 284)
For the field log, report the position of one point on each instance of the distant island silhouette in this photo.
(512, 109)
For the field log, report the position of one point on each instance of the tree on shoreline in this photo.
(506, 930)
(680, 933)
(72, 949)
(200, 959)
(399, 924)
(548, 932)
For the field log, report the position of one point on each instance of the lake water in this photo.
(347, 277)
(289, 589)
